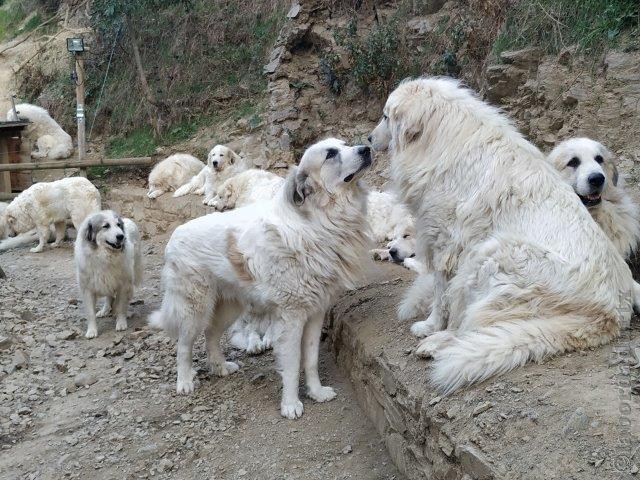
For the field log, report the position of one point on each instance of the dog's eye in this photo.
(331, 153)
(385, 117)
(574, 162)
(106, 226)
(599, 159)
(406, 236)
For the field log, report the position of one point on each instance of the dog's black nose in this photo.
(365, 152)
(119, 237)
(370, 138)
(394, 253)
(596, 179)
(215, 164)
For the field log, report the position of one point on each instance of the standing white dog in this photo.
(50, 204)
(108, 264)
(288, 258)
(52, 141)
(526, 271)
(171, 173)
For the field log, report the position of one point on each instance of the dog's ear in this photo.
(408, 125)
(299, 187)
(615, 177)
(235, 158)
(90, 235)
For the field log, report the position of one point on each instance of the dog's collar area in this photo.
(591, 200)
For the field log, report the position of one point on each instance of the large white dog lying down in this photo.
(247, 187)
(51, 140)
(171, 173)
(108, 264)
(288, 258)
(50, 204)
(222, 163)
(526, 272)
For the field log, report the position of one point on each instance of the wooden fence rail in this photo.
(108, 162)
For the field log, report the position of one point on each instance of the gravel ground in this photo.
(107, 408)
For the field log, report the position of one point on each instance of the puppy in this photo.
(288, 258)
(171, 173)
(108, 264)
(522, 272)
(47, 205)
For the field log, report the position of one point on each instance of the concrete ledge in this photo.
(155, 216)
(573, 417)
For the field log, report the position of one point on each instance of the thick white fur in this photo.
(522, 271)
(50, 204)
(223, 164)
(289, 258)
(17, 241)
(45, 133)
(171, 173)
(388, 216)
(195, 185)
(108, 264)
(250, 186)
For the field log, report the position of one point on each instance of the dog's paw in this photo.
(103, 312)
(291, 410)
(121, 324)
(423, 328)
(409, 311)
(224, 369)
(322, 394)
(37, 249)
(92, 332)
(185, 386)
(427, 347)
(255, 345)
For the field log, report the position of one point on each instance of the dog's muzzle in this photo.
(591, 200)
(115, 246)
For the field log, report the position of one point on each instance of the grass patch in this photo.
(11, 15)
(139, 143)
(592, 25)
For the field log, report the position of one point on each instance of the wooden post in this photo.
(5, 177)
(80, 113)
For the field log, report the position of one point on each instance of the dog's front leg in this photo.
(122, 302)
(436, 320)
(288, 352)
(43, 237)
(90, 307)
(310, 349)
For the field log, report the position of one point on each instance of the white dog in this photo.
(289, 258)
(222, 163)
(108, 264)
(527, 273)
(588, 166)
(17, 241)
(52, 141)
(47, 204)
(171, 173)
(250, 186)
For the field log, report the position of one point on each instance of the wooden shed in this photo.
(12, 150)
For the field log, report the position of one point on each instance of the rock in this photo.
(294, 10)
(474, 462)
(274, 61)
(420, 26)
(527, 58)
(51, 340)
(242, 472)
(84, 379)
(5, 342)
(129, 354)
(20, 359)
(565, 55)
(347, 449)
(434, 401)
(481, 408)
(67, 335)
(165, 465)
(73, 301)
(24, 411)
(577, 422)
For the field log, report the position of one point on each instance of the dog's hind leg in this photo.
(310, 349)
(43, 236)
(224, 314)
(106, 308)
(288, 352)
(60, 228)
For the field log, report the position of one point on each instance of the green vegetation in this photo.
(11, 15)
(592, 25)
(139, 143)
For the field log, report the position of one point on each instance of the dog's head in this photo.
(105, 229)
(403, 245)
(406, 114)
(587, 166)
(221, 157)
(12, 223)
(328, 169)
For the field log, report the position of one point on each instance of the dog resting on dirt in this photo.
(108, 264)
(51, 140)
(50, 204)
(522, 271)
(171, 173)
(288, 258)
(17, 241)
(251, 186)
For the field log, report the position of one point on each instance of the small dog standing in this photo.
(108, 264)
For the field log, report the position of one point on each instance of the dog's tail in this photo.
(473, 356)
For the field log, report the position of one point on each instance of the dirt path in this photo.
(107, 408)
